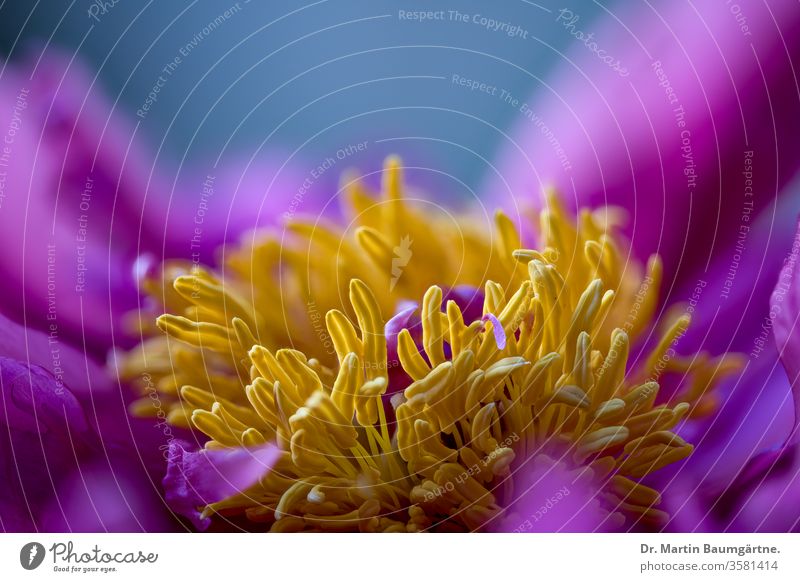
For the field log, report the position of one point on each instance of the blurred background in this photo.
(240, 78)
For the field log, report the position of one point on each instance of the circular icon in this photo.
(31, 555)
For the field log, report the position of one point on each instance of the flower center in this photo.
(543, 377)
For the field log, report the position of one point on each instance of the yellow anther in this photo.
(432, 332)
(200, 334)
(568, 395)
(346, 386)
(343, 334)
(602, 439)
(371, 324)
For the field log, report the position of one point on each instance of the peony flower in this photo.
(342, 378)
(542, 383)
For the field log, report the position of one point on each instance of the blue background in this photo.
(307, 79)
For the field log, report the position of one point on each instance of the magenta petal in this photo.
(79, 176)
(785, 316)
(767, 498)
(238, 197)
(43, 436)
(69, 366)
(195, 479)
(104, 498)
(34, 402)
(771, 463)
(551, 498)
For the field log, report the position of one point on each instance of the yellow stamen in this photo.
(444, 454)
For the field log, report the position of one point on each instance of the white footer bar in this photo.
(387, 557)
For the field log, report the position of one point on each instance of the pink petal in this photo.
(785, 317)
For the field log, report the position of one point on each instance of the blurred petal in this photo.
(68, 365)
(43, 435)
(765, 494)
(785, 317)
(211, 206)
(89, 199)
(755, 417)
(61, 447)
(195, 479)
(75, 166)
(99, 498)
(730, 309)
(549, 497)
(700, 104)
